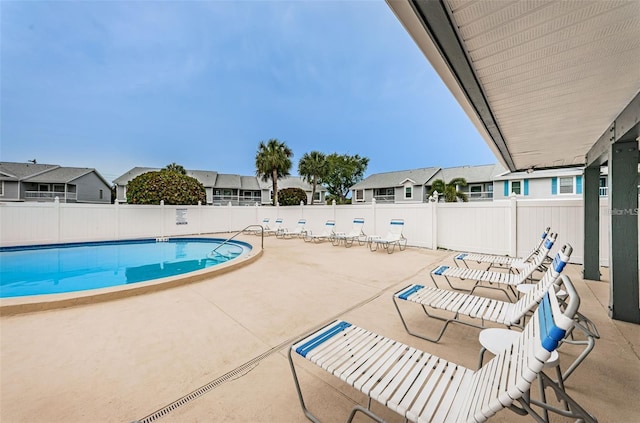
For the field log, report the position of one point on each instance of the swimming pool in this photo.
(59, 268)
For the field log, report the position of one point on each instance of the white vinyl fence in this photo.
(509, 227)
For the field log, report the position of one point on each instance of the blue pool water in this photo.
(78, 267)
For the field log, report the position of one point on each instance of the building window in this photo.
(515, 187)
(1, 188)
(101, 194)
(359, 195)
(408, 193)
(316, 196)
(475, 191)
(566, 185)
(603, 186)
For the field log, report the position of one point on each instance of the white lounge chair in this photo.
(276, 228)
(356, 234)
(492, 260)
(299, 231)
(388, 242)
(422, 387)
(476, 307)
(496, 280)
(327, 233)
(264, 224)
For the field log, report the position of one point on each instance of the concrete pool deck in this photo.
(122, 360)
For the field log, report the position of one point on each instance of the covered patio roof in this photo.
(549, 84)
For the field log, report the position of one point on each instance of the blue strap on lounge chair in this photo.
(440, 270)
(322, 337)
(412, 290)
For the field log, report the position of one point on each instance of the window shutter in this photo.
(578, 184)
(506, 188)
(554, 186)
(526, 187)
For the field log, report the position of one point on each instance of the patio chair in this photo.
(264, 224)
(298, 231)
(496, 279)
(492, 260)
(476, 307)
(276, 228)
(394, 237)
(356, 234)
(327, 233)
(422, 387)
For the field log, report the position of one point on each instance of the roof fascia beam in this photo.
(625, 127)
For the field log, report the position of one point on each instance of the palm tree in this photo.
(173, 167)
(450, 190)
(273, 160)
(313, 167)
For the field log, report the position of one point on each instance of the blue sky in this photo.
(117, 84)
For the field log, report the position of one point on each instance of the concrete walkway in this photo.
(123, 360)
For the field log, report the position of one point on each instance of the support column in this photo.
(591, 201)
(623, 235)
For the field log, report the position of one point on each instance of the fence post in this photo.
(199, 217)
(375, 223)
(230, 213)
(162, 231)
(56, 205)
(301, 209)
(513, 225)
(434, 224)
(116, 211)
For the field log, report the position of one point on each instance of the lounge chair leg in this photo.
(444, 327)
(368, 413)
(306, 411)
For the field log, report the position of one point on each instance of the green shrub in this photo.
(292, 196)
(172, 187)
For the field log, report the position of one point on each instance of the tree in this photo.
(170, 186)
(343, 171)
(273, 160)
(173, 167)
(450, 190)
(313, 168)
(292, 196)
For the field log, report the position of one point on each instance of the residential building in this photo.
(540, 184)
(237, 190)
(293, 182)
(222, 189)
(206, 178)
(479, 179)
(46, 182)
(405, 186)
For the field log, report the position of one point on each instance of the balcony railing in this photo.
(384, 198)
(49, 196)
(480, 196)
(223, 200)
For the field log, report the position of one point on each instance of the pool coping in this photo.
(18, 305)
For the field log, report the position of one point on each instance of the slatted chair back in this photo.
(540, 289)
(508, 376)
(396, 227)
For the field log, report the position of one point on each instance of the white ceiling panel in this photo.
(555, 74)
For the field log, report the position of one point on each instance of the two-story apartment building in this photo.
(480, 179)
(222, 189)
(413, 186)
(404, 186)
(46, 182)
(540, 184)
